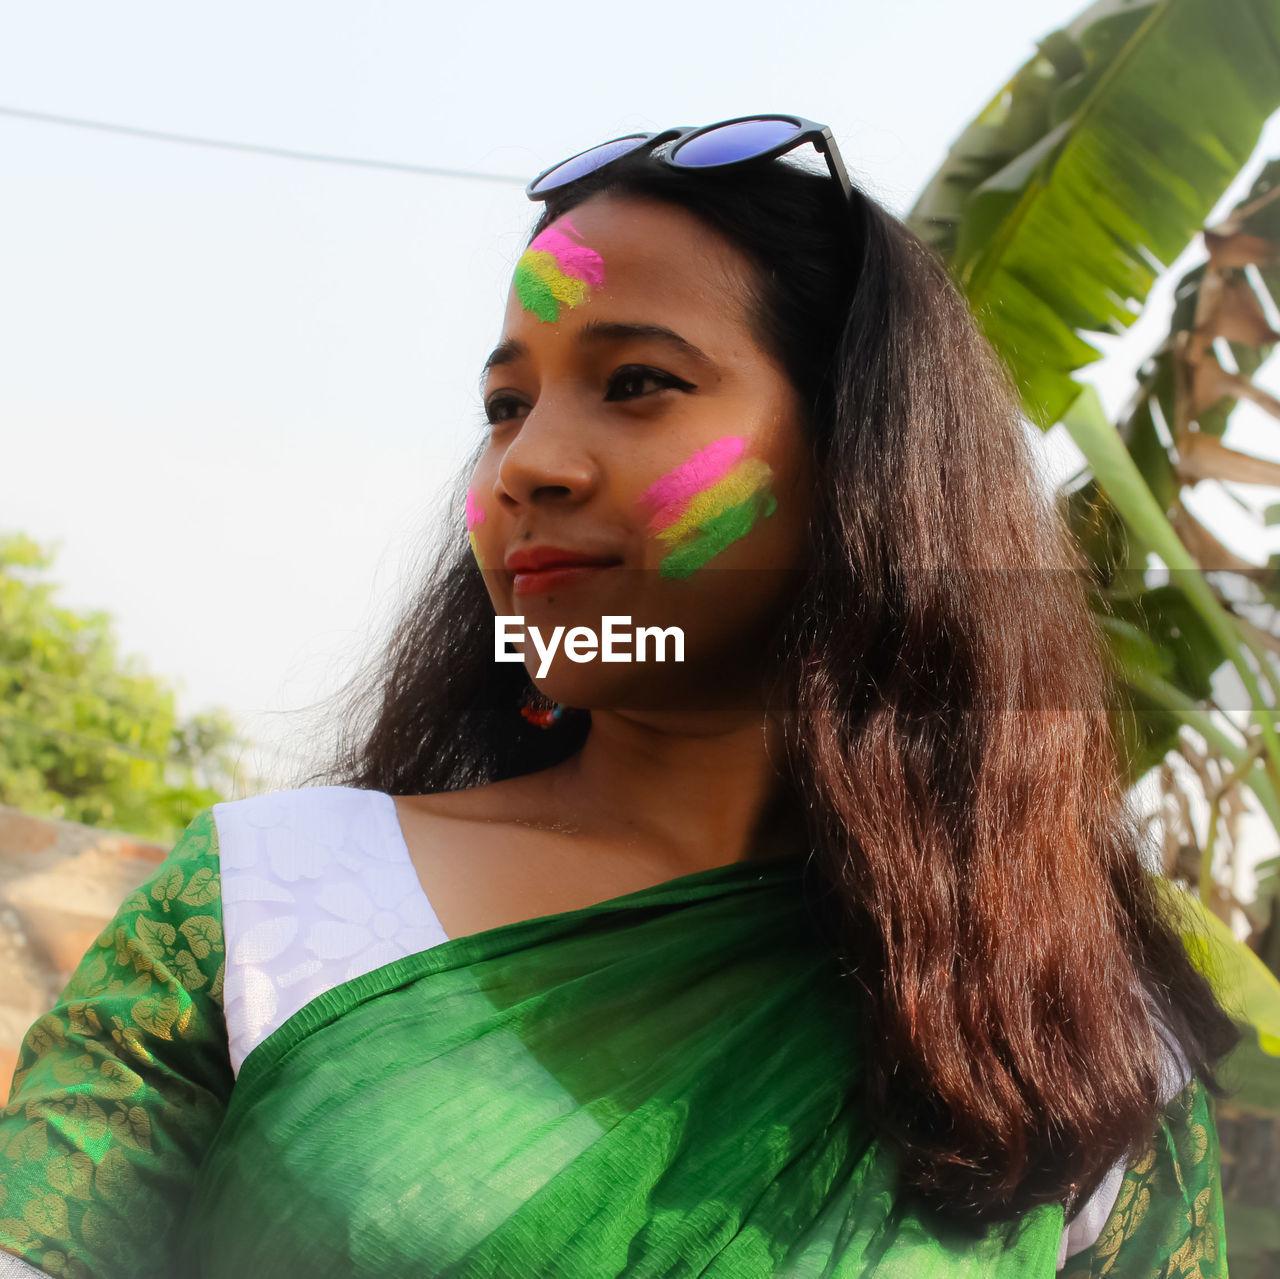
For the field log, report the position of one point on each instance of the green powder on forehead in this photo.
(535, 295)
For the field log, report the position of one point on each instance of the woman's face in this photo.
(633, 417)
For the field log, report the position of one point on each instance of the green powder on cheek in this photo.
(717, 533)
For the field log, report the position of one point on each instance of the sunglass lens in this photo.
(731, 142)
(579, 165)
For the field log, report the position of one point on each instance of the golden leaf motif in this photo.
(15, 1231)
(148, 968)
(141, 985)
(203, 934)
(188, 971)
(70, 1267)
(71, 1174)
(32, 1142)
(83, 1020)
(167, 887)
(135, 902)
(85, 1122)
(187, 1017)
(1108, 1243)
(55, 1110)
(46, 1214)
(117, 1179)
(1200, 1243)
(46, 1034)
(123, 945)
(1177, 1174)
(204, 887)
(70, 1071)
(155, 1016)
(95, 1226)
(155, 934)
(132, 1125)
(1126, 1216)
(132, 1044)
(116, 1080)
(1199, 1143)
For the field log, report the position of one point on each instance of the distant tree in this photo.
(86, 734)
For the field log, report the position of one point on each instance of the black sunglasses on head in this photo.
(713, 146)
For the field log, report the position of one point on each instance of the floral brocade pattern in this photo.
(121, 1085)
(1167, 1222)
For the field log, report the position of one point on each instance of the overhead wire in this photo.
(253, 148)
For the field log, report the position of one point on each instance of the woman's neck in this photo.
(699, 790)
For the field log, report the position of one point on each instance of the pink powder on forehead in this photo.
(698, 472)
(574, 259)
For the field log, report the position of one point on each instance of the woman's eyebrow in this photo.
(511, 349)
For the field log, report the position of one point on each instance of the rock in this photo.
(60, 882)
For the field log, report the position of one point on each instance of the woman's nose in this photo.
(547, 457)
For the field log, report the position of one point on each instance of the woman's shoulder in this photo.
(313, 818)
(316, 810)
(285, 836)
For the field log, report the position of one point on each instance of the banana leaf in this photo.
(1092, 169)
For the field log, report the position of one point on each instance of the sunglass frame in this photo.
(808, 131)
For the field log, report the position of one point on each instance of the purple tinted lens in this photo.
(588, 161)
(733, 142)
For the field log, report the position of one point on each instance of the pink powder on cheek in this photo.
(670, 493)
(474, 514)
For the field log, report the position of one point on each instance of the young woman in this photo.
(821, 946)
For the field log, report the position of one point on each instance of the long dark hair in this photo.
(947, 727)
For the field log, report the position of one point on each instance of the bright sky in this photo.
(235, 385)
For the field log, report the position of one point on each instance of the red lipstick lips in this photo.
(539, 568)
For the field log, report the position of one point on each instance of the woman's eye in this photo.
(627, 383)
(633, 376)
(493, 409)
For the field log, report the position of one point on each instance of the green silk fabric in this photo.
(664, 1084)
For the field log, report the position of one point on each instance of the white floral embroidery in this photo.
(317, 888)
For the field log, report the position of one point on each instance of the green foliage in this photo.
(86, 735)
(1090, 170)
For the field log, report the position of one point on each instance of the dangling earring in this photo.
(537, 709)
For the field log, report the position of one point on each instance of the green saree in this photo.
(663, 1084)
